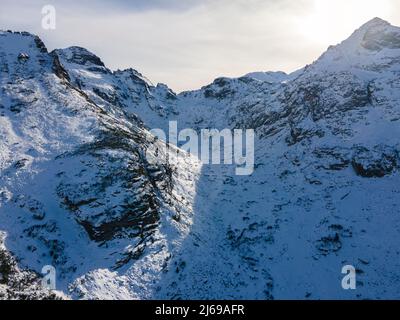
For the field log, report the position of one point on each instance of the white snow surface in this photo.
(325, 191)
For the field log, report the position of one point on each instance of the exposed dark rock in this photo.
(22, 57)
(377, 163)
(40, 45)
(16, 284)
(329, 244)
(58, 68)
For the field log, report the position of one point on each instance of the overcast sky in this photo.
(188, 43)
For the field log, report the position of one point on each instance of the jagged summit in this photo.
(374, 35)
(11, 32)
(376, 43)
(78, 192)
(375, 22)
(14, 41)
(79, 55)
(135, 75)
(269, 76)
(373, 46)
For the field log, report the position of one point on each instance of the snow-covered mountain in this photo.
(77, 191)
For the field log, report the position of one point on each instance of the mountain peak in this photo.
(375, 28)
(378, 34)
(375, 44)
(375, 22)
(269, 76)
(16, 40)
(80, 56)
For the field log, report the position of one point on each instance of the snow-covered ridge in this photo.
(269, 76)
(76, 191)
(373, 47)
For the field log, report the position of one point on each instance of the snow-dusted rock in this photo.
(76, 190)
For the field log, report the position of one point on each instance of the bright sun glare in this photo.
(333, 21)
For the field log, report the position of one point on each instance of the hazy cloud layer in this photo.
(188, 43)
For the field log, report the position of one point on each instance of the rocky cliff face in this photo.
(78, 187)
(78, 192)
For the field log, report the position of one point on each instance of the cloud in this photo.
(187, 44)
(145, 5)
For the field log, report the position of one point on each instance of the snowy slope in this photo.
(326, 188)
(77, 190)
(324, 194)
(269, 76)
